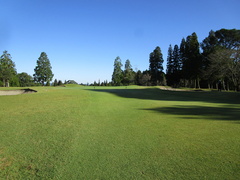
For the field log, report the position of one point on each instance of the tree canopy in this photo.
(43, 70)
(7, 68)
(156, 66)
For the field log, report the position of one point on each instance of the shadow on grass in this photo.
(201, 112)
(157, 94)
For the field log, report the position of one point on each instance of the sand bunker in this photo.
(16, 92)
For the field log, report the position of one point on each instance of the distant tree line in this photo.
(203, 65)
(192, 64)
(9, 76)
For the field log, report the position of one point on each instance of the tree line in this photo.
(9, 77)
(190, 64)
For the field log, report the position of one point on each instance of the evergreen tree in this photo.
(117, 75)
(55, 83)
(209, 45)
(228, 38)
(177, 65)
(128, 73)
(192, 63)
(156, 67)
(170, 66)
(43, 70)
(59, 83)
(7, 68)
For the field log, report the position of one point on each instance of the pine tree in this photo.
(192, 63)
(156, 67)
(128, 73)
(176, 67)
(170, 66)
(59, 83)
(7, 68)
(55, 83)
(117, 75)
(43, 70)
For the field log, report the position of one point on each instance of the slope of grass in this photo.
(119, 133)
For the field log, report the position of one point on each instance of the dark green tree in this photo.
(128, 73)
(228, 38)
(192, 62)
(138, 77)
(14, 81)
(7, 68)
(117, 75)
(25, 79)
(209, 45)
(170, 66)
(156, 66)
(60, 83)
(177, 67)
(220, 62)
(43, 70)
(55, 83)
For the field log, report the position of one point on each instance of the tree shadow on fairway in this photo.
(201, 112)
(163, 95)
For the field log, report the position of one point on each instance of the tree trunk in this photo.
(223, 84)
(7, 83)
(198, 83)
(227, 86)
(4, 83)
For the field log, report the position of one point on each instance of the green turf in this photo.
(119, 133)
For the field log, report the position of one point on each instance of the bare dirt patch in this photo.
(16, 92)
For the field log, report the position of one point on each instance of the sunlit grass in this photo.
(119, 133)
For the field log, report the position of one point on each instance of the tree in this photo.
(145, 79)
(228, 38)
(138, 77)
(55, 83)
(220, 51)
(43, 70)
(7, 68)
(59, 83)
(128, 73)
(25, 79)
(177, 67)
(117, 75)
(155, 66)
(170, 66)
(192, 63)
(225, 66)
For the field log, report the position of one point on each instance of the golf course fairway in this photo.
(119, 133)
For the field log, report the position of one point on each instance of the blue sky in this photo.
(83, 37)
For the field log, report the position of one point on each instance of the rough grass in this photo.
(119, 133)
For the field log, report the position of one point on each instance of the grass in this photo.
(133, 132)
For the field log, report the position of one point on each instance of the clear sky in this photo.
(83, 37)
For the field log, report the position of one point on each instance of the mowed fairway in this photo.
(119, 133)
